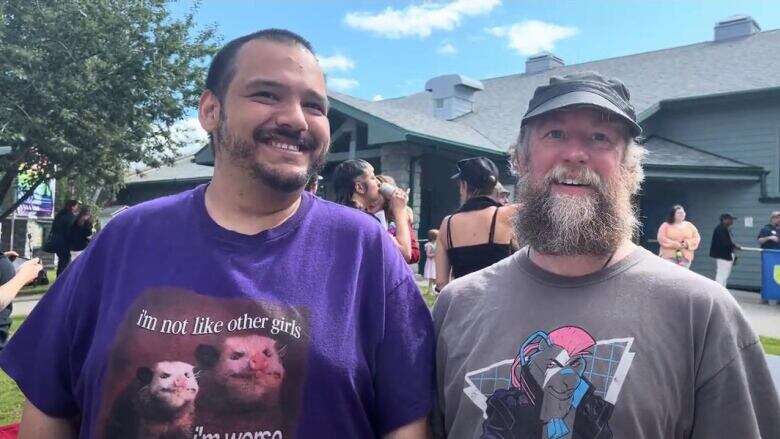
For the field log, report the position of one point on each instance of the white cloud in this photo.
(447, 49)
(336, 62)
(377, 98)
(418, 20)
(342, 84)
(191, 133)
(532, 36)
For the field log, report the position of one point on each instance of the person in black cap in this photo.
(722, 249)
(583, 334)
(479, 234)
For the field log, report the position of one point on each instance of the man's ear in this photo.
(208, 111)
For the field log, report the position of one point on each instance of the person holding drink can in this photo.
(356, 186)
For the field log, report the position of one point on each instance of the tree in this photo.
(89, 86)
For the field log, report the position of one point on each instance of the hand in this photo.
(398, 201)
(774, 238)
(11, 255)
(29, 270)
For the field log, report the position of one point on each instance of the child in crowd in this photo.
(430, 255)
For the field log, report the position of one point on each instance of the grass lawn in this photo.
(428, 296)
(11, 398)
(771, 345)
(39, 289)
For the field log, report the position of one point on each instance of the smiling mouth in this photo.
(284, 146)
(571, 183)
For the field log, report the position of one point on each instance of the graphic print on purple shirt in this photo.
(366, 336)
(185, 365)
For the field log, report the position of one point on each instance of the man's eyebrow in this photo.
(259, 82)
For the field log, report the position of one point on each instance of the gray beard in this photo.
(563, 225)
(242, 154)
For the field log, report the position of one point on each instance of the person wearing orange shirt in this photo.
(678, 238)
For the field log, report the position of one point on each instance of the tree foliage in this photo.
(90, 86)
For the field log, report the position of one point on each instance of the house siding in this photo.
(744, 130)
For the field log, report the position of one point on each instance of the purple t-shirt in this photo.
(171, 326)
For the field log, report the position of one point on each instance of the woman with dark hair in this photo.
(356, 186)
(60, 228)
(80, 231)
(678, 238)
(480, 233)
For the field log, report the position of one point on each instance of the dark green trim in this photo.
(365, 117)
(436, 142)
(722, 97)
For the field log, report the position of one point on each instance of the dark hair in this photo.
(343, 179)
(68, 207)
(480, 175)
(221, 70)
(84, 216)
(670, 215)
(483, 187)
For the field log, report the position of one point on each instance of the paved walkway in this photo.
(765, 319)
(24, 305)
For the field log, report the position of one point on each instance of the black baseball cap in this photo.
(585, 88)
(476, 170)
(725, 216)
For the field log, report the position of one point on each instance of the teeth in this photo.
(572, 182)
(285, 146)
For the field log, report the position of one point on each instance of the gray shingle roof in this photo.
(706, 68)
(418, 122)
(665, 152)
(182, 169)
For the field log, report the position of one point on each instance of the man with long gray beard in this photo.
(582, 334)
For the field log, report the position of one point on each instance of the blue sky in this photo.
(373, 49)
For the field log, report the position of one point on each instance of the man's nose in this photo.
(576, 150)
(291, 117)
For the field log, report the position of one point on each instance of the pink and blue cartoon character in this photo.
(550, 398)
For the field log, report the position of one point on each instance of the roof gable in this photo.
(695, 70)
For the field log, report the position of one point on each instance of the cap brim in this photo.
(455, 176)
(583, 98)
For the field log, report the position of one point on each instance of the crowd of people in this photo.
(266, 311)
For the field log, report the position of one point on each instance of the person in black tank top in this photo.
(478, 178)
(469, 258)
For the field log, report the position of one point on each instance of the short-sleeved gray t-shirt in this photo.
(641, 349)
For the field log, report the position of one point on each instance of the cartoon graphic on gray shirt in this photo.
(561, 384)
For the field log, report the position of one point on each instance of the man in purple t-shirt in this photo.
(242, 308)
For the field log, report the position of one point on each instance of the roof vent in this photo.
(542, 61)
(735, 27)
(453, 95)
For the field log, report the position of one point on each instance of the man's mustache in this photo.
(303, 140)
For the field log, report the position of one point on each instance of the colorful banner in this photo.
(38, 205)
